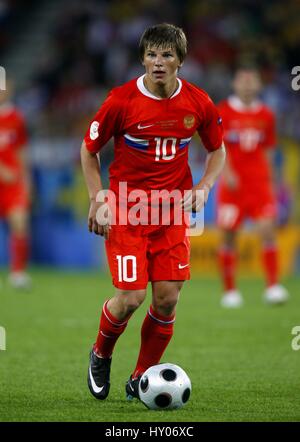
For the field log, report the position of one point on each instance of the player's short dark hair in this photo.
(246, 66)
(164, 35)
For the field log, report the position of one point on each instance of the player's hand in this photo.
(195, 199)
(99, 219)
(7, 175)
(231, 180)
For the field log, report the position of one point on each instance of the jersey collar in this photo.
(144, 91)
(236, 104)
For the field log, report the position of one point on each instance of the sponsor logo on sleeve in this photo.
(94, 133)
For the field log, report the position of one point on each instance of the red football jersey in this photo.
(248, 132)
(13, 135)
(152, 135)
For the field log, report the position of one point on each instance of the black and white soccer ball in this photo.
(165, 387)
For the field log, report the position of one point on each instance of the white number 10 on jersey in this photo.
(123, 268)
(161, 149)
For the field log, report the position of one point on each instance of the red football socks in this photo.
(19, 252)
(270, 262)
(227, 263)
(156, 333)
(109, 331)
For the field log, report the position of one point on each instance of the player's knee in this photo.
(229, 239)
(132, 299)
(18, 222)
(267, 232)
(165, 305)
(133, 304)
(165, 296)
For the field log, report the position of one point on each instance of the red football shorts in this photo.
(12, 197)
(138, 254)
(234, 206)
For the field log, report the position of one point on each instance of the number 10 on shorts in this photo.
(124, 262)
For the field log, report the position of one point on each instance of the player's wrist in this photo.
(93, 199)
(205, 186)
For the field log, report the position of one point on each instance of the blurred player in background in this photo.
(152, 120)
(247, 184)
(14, 187)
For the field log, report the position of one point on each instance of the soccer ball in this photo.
(164, 387)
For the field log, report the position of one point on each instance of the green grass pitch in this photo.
(240, 362)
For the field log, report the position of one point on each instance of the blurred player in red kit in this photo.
(246, 187)
(152, 119)
(14, 187)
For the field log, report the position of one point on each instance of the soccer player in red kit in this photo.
(14, 187)
(152, 119)
(246, 187)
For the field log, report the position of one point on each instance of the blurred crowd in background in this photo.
(92, 45)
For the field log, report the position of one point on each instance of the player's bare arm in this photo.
(230, 177)
(270, 159)
(22, 155)
(214, 166)
(91, 171)
(7, 175)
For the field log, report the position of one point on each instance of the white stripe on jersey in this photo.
(137, 140)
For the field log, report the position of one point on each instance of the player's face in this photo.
(247, 85)
(161, 65)
(3, 96)
(6, 94)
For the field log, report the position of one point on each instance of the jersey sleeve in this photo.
(270, 134)
(211, 130)
(106, 123)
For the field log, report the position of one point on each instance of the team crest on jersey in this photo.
(94, 130)
(189, 121)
